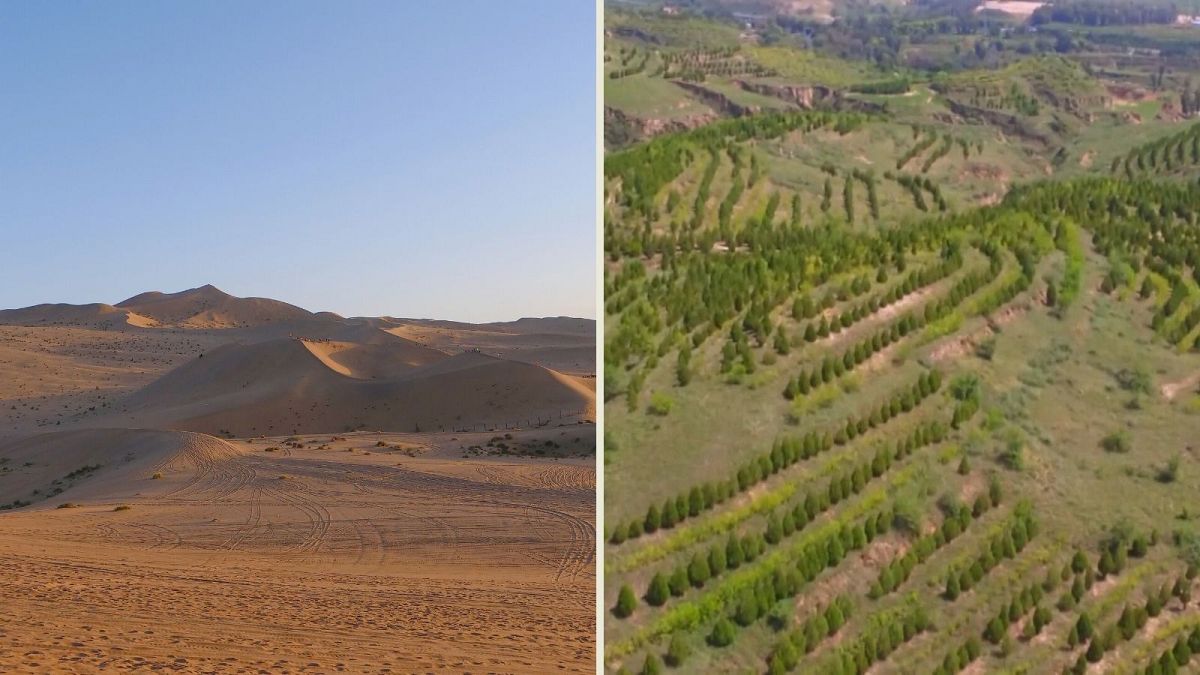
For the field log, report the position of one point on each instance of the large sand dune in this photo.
(183, 487)
(293, 386)
(371, 361)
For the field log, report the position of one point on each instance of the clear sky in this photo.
(406, 158)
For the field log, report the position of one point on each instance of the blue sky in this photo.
(421, 159)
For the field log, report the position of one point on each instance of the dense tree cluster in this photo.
(1153, 225)
(1106, 12)
(700, 291)
(899, 85)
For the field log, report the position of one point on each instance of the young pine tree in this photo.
(626, 602)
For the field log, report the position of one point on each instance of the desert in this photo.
(198, 482)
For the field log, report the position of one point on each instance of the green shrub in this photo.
(723, 633)
(1117, 441)
(678, 651)
(661, 404)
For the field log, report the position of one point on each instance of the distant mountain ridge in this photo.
(564, 325)
(208, 307)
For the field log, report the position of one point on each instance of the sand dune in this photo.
(559, 343)
(210, 307)
(248, 366)
(297, 386)
(109, 463)
(371, 360)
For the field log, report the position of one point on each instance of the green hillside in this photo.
(904, 377)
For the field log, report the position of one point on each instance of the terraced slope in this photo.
(894, 445)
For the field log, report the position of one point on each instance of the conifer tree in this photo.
(626, 602)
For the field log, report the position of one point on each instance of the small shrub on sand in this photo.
(123, 507)
(157, 475)
(68, 505)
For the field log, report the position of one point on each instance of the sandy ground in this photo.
(48, 375)
(330, 556)
(159, 509)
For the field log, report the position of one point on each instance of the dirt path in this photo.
(1170, 390)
